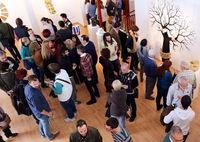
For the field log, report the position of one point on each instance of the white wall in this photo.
(190, 9)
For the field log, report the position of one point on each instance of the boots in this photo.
(8, 133)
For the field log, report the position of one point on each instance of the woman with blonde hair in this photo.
(34, 37)
(111, 21)
(36, 54)
(26, 55)
(119, 96)
(74, 57)
(48, 57)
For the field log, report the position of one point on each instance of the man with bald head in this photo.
(177, 91)
(174, 135)
(190, 75)
(129, 80)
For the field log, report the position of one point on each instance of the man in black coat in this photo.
(111, 7)
(64, 32)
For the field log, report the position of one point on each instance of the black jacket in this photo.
(111, 6)
(49, 74)
(64, 63)
(20, 87)
(21, 31)
(107, 68)
(65, 34)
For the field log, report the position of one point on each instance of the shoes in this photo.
(158, 108)
(53, 95)
(152, 92)
(75, 113)
(55, 135)
(132, 118)
(141, 80)
(91, 102)
(69, 119)
(37, 121)
(44, 86)
(12, 135)
(150, 98)
(77, 102)
(97, 95)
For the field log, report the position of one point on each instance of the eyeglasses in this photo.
(79, 123)
(178, 140)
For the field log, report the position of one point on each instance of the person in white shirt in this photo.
(103, 15)
(190, 75)
(177, 91)
(183, 116)
(87, 4)
(48, 26)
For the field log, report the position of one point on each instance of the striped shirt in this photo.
(129, 79)
(86, 65)
(122, 136)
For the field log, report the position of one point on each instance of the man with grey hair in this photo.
(13, 64)
(190, 75)
(174, 135)
(150, 71)
(177, 91)
(86, 63)
(129, 80)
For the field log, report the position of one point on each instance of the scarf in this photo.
(134, 43)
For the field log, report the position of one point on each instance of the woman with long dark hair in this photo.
(57, 44)
(142, 51)
(107, 68)
(165, 79)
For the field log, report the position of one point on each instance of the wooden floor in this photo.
(145, 128)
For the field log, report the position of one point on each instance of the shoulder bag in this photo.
(126, 114)
(6, 121)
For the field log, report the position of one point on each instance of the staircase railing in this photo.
(129, 20)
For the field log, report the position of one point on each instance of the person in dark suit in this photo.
(114, 33)
(111, 7)
(90, 49)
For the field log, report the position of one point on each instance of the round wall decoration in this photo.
(3, 12)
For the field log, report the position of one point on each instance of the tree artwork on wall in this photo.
(173, 25)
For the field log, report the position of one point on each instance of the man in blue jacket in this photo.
(150, 71)
(90, 49)
(39, 107)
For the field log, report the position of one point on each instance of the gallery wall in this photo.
(190, 10)
(31, 11)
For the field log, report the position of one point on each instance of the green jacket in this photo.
(93, 135)
(6, 31)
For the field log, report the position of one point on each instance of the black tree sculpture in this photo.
(173, 25)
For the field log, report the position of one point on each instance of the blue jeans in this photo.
(121, 120)
(69, 107)
(41, 70)
(119, 15)
(35, 70)
(44, 127)
(116, 65)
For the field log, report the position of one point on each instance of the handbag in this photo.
(107, 114)
(126, 114)
(24, 109)
(6, 121)
(135, 95)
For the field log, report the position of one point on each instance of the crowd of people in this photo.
(68, 60)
